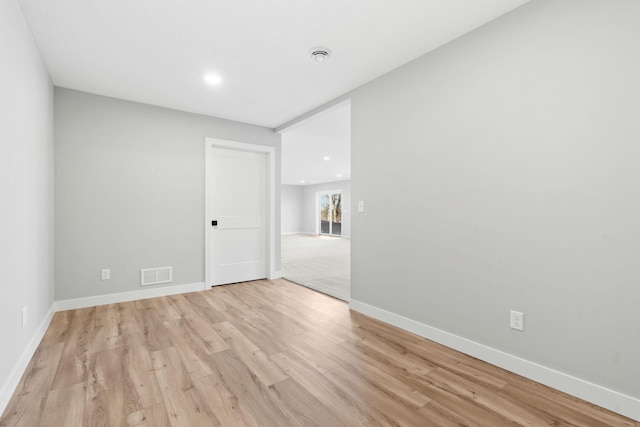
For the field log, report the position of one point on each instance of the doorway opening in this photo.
(316, 202)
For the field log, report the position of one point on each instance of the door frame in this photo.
(270, 152)
(318, 194)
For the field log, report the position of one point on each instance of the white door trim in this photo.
(271, 198)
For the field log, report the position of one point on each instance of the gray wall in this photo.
(310, 205)
(129, 191)
(26, 190)
(292, 209)
(510, 157)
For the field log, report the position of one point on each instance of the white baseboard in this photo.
(290, 233)
(9, 387)
(596, 394)
(71, 304)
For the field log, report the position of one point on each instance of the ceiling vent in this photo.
(320, 54)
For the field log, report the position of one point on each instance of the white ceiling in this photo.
(157, 51)
(304, 147)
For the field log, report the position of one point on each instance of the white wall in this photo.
(26, 195)
(310, 207)
(292, 209)
(509, 160)
(130, 191)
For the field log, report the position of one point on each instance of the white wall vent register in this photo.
(153, 276)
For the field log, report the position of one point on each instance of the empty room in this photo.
(488, 203)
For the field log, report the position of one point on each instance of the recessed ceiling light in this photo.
(339, 175)
(320, 54)
(326, 158)
(302, 181)
(213, 79)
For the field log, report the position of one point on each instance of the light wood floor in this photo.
(267, 353)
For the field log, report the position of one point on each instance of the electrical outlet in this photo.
(24, 316)
(517, 321)
(106, 274)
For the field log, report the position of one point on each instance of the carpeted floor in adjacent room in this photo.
(318, 262)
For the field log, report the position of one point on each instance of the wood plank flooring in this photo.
(267, 353)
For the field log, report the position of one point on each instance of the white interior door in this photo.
(238, 212)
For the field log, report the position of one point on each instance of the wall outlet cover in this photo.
(517, 320)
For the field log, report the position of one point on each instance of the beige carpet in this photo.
(318, 262)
